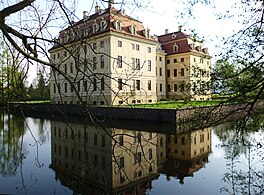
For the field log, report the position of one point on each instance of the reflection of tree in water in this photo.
(243, 140)
(43, 129)
(11, 130)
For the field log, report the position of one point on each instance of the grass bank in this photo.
(178, 104)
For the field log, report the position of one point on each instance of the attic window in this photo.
(191, 46)
(175, 48)
(133, 29)
(95, 28)
(118, 25)
(198, 48)
(103, 25)
(146, 33)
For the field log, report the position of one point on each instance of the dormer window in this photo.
(95, 28)
(118, 25)
(198, 48)
(146, 33)
(85, 32)
(192, 46)
(103, 24)
(175, 48)
(133, 29)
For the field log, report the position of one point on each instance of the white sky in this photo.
(160, 15)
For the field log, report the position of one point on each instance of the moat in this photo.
(43, 156)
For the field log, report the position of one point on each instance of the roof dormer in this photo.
(117, 25)
(133, 29)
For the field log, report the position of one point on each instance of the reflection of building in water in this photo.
(187, 153)
(161, 152)
(91, 160)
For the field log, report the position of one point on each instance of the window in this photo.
(183, 140)
(85, 85)
(133, 63)
(175, 73)
(121, 162)
(103, 24)
(137, 63)
(182, 59)
(175, 60)
(133, 46)
(102, 84)
(137, 47)
(168, 61)
(149, 65)
(149, 49)
(201, 138)
(149, 84)
(160, 59)
(85, 31)
(160, 87)
(139, 157)
(150, 154)
(95, 139)
(175, 48)
(102, 61)
(65, 53)
(95, 28)
(71, 67)
(182, 87)
(54, 88)
(58, 55)
(118, 25)
(119, 43)
(119, 61)
(65, 68)
(102, 44)
(168, 73)
(133, 29)
(160, 71)
(168, 88)
(94, 84)
(65, 87)
(94, 63)
(94, 45)
(121, 140)
(78, 86)
(175, 87)
(182, 72)
(138, 84)
(194, 59)
(120, 84)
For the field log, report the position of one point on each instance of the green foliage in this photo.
(39, 90)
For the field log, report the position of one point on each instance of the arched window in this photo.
(175, 48)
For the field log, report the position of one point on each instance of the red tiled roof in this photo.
(178, 38)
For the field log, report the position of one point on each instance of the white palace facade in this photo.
(110, 58)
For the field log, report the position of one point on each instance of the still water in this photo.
(41, 156)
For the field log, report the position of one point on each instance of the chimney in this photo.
(166, 31)
(180, 28)
(97, 9)
(85, 14)
(111, 3)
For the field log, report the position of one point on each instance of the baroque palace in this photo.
(110, 58)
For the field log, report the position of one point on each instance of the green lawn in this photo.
(178, 104)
